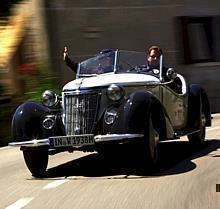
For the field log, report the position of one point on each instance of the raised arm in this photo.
(70, 63)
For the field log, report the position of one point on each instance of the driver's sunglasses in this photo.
(153, 56)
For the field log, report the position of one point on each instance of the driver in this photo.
(153, 57)
(153, 62)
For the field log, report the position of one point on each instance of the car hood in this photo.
(107, 79)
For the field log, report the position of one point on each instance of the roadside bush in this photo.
(5, 118)
(40, 82)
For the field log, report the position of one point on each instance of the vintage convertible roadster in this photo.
(114, 100)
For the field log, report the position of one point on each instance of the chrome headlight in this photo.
(110, 116)
(49, 122)
(115, 92)
(49, 98)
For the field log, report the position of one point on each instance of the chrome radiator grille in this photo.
(80, 111)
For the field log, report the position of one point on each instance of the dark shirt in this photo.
(71, 64)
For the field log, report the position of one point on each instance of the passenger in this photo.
(105, 64)
(71, 64)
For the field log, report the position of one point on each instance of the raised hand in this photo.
(65, 52)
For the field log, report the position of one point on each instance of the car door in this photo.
(175, 105)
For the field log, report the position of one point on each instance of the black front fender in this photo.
(197, 102)
(136, 110)
(142, 105)
(133, 113)
(27, 122)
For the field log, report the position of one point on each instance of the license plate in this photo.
(73, 141)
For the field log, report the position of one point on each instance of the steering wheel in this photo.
(145, 68)
(155, 71)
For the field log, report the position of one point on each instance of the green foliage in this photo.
(5, 125)
(37, 84)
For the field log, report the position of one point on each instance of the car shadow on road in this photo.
(176, 158)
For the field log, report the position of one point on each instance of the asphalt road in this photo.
(187, 179)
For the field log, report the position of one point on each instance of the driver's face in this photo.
(154, 58)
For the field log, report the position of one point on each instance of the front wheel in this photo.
(36, 159)
(151, 146)
(198, 138)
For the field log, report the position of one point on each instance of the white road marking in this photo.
(55, 184)
(20, 203)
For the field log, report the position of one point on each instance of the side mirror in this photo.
(171, 74)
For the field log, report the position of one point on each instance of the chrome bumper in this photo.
(97, 139)
(31, 143)
(116, 137)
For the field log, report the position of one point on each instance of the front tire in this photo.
(36, 159)
(197, 139)
(150, 147)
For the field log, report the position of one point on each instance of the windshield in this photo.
(101, 63)
(128, 60)
(119, 61)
